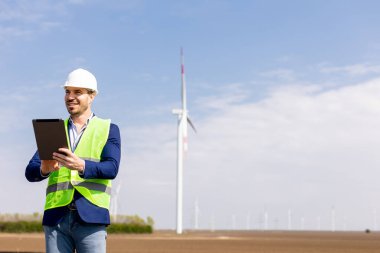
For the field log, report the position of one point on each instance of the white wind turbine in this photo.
(183, 120)
(196, 214)
(115, 202)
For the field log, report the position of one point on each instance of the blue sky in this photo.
(285, 96)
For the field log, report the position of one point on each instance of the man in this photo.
(79, 178)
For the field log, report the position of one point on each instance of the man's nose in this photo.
(69, 96)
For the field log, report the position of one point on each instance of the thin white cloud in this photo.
(22, 18)
(27, 18)
(23, 11)
(282, 74)
(111, 4)
(225, 95)
(80, 2)
(199, 8)
(9, 32)
(285, 59)
(353, 70)
(220, 102)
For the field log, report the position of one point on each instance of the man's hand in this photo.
(48, 166)
(68, 159)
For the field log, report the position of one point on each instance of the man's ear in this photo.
(92, 97)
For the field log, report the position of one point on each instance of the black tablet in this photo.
(50, 136)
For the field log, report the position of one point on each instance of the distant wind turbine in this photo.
(375, 219)
(248, 222)
(333, 219)
(115, 202)
(196, 214)
(183, 120)
(266, 219)
(233, 222)
(290, 219)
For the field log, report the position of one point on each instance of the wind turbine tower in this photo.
(183, 120)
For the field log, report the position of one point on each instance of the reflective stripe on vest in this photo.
(67, 186)
(64, 182)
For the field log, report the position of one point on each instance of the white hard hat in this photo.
(82, 78)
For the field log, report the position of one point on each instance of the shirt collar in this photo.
(71, 122)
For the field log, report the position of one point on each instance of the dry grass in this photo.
(218, 242)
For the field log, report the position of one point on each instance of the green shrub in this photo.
(36, 227)
(132, 228)
(21, 226)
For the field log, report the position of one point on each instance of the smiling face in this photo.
(78, 101)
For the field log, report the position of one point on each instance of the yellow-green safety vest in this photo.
(63, 182)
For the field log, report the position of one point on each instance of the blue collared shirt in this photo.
(74, 134)
(107, 168)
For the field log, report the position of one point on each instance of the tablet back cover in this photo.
(50, 136)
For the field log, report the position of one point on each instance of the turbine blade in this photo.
(191, 124)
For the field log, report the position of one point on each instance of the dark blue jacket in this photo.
(107, 168)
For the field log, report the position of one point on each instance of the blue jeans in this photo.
(70, 234)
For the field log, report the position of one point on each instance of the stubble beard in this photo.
(76, 112)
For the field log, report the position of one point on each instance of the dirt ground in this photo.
(218, 242)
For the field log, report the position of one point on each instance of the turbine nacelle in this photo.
(177, 111)
(182, 115)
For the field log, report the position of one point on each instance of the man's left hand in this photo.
(68, 159)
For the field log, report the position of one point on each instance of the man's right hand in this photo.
(48, 166)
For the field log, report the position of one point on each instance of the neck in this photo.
(80, 120)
